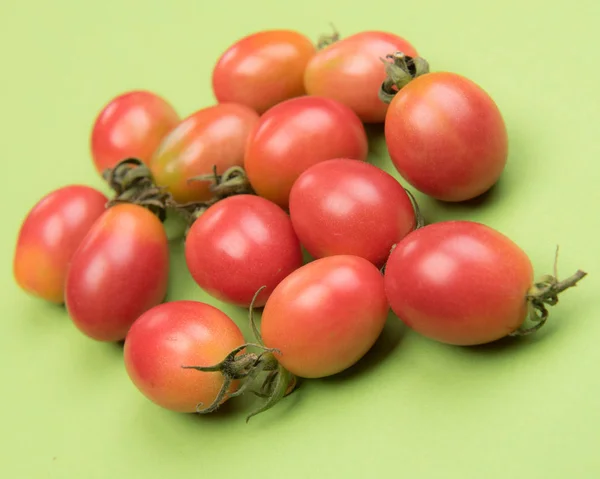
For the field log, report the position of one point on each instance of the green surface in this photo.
(412, 408)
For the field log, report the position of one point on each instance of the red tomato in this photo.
(350, 71)
(446, 136)
(263, 69)
(295, 135)
(240, 244)
(119, 271)
(214, 136)
(350, 207)
(49, 236)
(459, 282)
(325, 316)
(130, 126)
(176, 334)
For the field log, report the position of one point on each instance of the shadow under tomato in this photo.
(508, 344)
(388, 341)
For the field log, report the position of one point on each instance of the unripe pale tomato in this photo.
(459, 282)
(295, 135)
(350, 71)
(132, 125)
(119, 271)
(350, 207)
(49, 236)
(240, 244)
(325, 316)
(263, 69)
(446, 136)
(176, 334)
(212, 137)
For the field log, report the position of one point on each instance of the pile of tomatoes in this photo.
(278, 165)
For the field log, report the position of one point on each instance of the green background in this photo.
(412, 408)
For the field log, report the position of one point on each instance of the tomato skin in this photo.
(326, 315)
(446, 136)
(263, 69)
(131, 125)
(176, 334)
(351, 207)
(240, 244)
(49, 236)
(213, 136)
(350, 71)
(459, 282)
(119, 271)
(295, 135)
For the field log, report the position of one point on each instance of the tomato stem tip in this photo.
(400, 70)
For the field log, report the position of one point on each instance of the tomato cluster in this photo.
(278, 164)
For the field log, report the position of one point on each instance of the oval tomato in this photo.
(350, 71)
(119, 271)
(446, 136)
(350, 207)
(240, 244)
(459, 282)
(214, 136)
(263, 69)
(325, 316)
(49, 236)
(131, 125)
(295, 135)
(176, 334)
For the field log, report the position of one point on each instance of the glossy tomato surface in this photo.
(239, 245)
(49, 236)
(459, 282)
(295, 135)
(446, 136)
(326, 315)
(351, 72)
(263, 69)
(132, 125)
(119, 271)
(214, 136)
(351, 207)
(176, 334)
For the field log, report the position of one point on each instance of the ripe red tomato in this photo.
(459, 282)
(295, 135)
(130, 126)
(240, 244)
(176, 334)
(49, 236)
(263, 69)
(446, 136)
(214, 136)
(119, 271)
(350, 207)
(350, 71)
(325, 316)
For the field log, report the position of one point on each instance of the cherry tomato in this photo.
(459, 282)
(295, 135)
(119, 271)
(214, 136)
(350, 71)
(263, 69)
(446, 136)
(176, 334)
(49, 236)
(325, 315)
(130, 126)
(240, 244)
(350, 207)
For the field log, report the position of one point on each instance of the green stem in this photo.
(400, 70)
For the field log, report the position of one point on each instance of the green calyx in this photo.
(400, 70)
(132, 182)
(328, 38)
(247, 367)
(545, 293)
